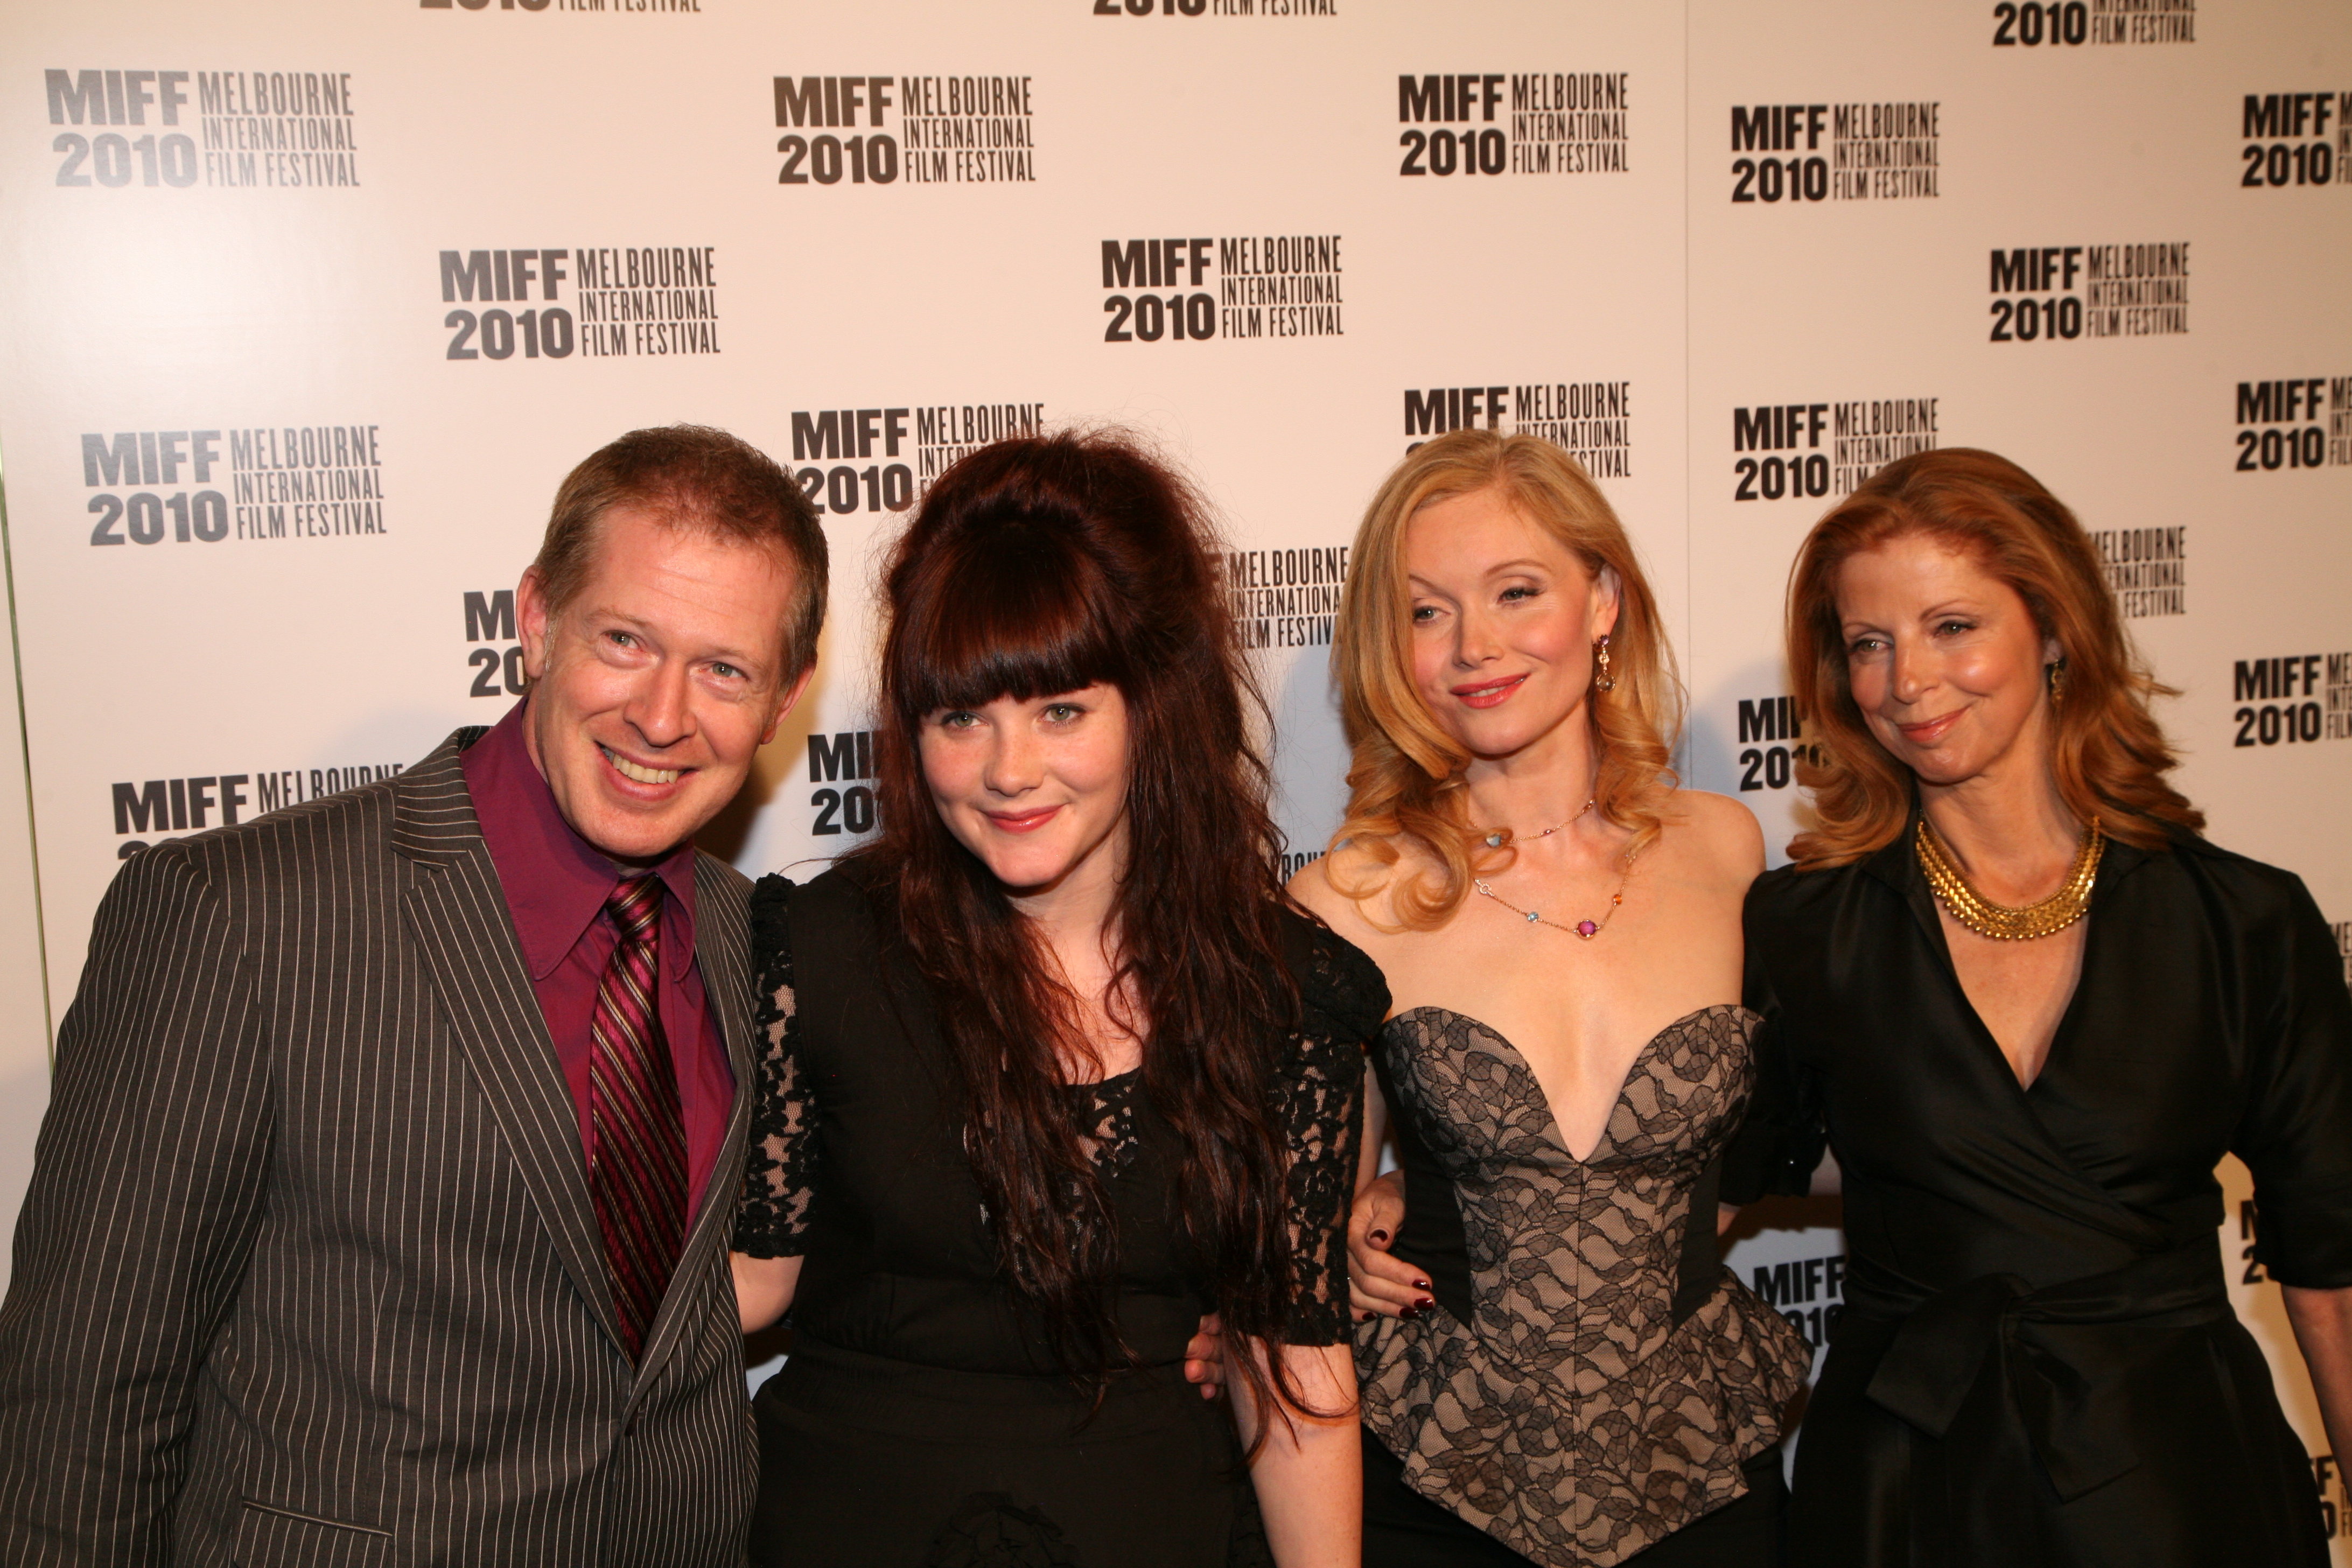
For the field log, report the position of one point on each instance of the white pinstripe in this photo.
(309, 1227)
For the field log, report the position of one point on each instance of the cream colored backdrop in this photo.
(311, 308)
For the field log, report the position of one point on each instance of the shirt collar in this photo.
(555, 881)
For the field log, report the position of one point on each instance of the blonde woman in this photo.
(1555, 1367)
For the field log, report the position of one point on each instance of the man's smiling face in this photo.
(653, 689)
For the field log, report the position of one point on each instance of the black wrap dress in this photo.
(2037, 1362)
(922, 1419)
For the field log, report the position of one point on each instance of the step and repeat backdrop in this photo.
(310, 309)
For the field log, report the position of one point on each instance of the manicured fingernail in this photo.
(1424, 1304)
(1379, 1235)
(1421, 1284)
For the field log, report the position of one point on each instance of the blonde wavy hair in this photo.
(1405, 776)
(2108, 756)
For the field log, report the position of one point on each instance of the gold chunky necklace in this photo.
(1999, 921)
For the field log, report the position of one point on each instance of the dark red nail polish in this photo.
(1379, 1235)
(1421, 1284)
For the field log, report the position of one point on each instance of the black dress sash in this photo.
(2068, 1376)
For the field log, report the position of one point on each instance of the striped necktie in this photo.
(636, 1153)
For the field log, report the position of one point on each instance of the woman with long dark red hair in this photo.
(2029, 1007)
(1050, 1070)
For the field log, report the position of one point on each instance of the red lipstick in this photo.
(1488, 693)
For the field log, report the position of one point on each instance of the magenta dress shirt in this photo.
(556, 884)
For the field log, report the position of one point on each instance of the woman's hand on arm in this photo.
(1204, 1356)
(1309, 1475)
(764, 1288)
(2323, 1327)
(1378, 1282)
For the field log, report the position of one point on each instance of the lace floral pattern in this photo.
(1105, 1110)
(1320, 1111)
(1318, 1094)
(1574, 1420)
(780, 1164)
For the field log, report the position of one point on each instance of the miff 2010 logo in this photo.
(1876, 152)
(2296, 422)
(2290, 697)
(1266, 286)
(1555, 122)
(2061, 293)
(2289, 141)
(957, 129)
(253, 128)
(310, 481)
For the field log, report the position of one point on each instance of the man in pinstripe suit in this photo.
(381, 1212)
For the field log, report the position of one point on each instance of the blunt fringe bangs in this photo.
(1011, 609)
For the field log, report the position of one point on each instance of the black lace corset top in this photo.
(1679, 1104)
(1595, 1377)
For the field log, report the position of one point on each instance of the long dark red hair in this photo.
(1039, 566)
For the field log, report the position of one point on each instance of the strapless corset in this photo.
(1577, 1415)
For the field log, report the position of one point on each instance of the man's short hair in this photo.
(698, 477)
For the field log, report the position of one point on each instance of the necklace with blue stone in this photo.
(1586, 928)
(1496, 837)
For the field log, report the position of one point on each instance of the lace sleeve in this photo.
(779, 1165)
(1323, 1121)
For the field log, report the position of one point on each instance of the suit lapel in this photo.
(722, 939)
(457, 915)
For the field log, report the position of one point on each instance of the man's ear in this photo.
(533, 625)
(789, 699)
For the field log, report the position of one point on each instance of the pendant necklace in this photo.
(2001, 922)
(1586, 930)
(1494, 839)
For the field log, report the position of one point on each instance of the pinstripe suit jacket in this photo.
(309, 1272)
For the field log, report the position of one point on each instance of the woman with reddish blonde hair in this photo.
(2028, 1007)
(1556, 1368)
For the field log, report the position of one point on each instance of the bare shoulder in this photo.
(1717, 831)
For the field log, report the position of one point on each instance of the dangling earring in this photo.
(2057, 681)
(1601, 679)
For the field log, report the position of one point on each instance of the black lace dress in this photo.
(920, 1418)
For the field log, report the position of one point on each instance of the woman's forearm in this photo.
(1309, 1474)
(764, 1288)
(2323, 1327)
(1376, 1130)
